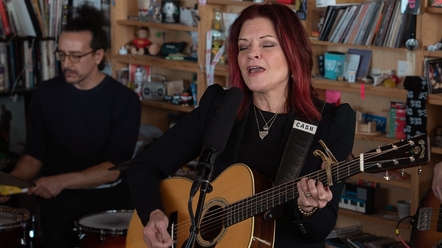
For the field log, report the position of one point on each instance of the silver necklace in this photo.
(266, 127)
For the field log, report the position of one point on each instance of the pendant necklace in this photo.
(266, 127)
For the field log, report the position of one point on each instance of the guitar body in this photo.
(427, 233)
(232, 214)
(235, 183)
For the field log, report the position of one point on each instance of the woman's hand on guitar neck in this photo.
(312, 195)
(155, 233)
(437, 181)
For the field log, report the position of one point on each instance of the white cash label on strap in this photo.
(306, 127)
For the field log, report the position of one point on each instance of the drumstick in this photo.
(10, 190)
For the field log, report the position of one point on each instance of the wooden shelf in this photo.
(222, 70)
(435, 99)
(178, 27)
(435, 54)
(326, 84)
(158, 62)
(373, 218)
(314, 41)
(436, 150)
(378, 138)
(379, 178)
(433, 10)
(167, 105)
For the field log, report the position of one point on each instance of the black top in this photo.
(71, 129)
(182, 143)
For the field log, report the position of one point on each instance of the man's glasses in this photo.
(74, 58)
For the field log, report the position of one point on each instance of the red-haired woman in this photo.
(270, 60)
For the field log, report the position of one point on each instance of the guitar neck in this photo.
(276, 196)
(402, 154)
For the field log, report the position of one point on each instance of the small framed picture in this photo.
(433, 71)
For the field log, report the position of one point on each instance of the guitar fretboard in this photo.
(402, 154)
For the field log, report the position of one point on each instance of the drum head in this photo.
(12, 218)
(115, 222)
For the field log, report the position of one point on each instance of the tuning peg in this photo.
(387, 176)
(403, 172)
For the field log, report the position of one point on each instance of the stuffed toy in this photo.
(139, 45)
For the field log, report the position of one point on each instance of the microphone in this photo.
(215, 138)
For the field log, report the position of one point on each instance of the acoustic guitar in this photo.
(232, 215)
(427, 223)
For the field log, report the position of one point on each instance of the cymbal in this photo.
(122, 166)
(10, 180)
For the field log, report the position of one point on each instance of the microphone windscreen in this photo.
(221, 126)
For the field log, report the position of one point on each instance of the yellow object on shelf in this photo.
(389, 83)
(10, 190)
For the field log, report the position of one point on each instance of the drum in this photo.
(106, 229)
(14, 227)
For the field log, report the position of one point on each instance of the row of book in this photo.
(378, 23)
(27, 62)
(28, 33)
(40, 18)
(31, 18)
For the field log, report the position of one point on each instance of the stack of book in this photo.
(354, 237)
(378, 23)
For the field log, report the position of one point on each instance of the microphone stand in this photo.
(202, 181)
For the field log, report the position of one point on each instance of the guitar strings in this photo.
(242, 217)
(320, 175)
(220, 213)
(344, 168)
(275, 196)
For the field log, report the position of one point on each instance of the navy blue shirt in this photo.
(71, 130)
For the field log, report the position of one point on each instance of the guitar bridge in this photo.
(424, 220)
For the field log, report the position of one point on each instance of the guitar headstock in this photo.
(403, 154)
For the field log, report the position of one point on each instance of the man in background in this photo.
(80, 124)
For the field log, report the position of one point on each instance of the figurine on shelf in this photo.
(140, 45)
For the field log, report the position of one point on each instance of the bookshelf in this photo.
(27, 42)
(376, 98)
(376, 102)
(153, 112)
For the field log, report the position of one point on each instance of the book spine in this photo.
(4, 18)
(4, 61)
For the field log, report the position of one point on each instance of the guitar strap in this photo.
(295, 152)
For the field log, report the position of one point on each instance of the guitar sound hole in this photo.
(212, 224)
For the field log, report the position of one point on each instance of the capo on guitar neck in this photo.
(328, 160)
